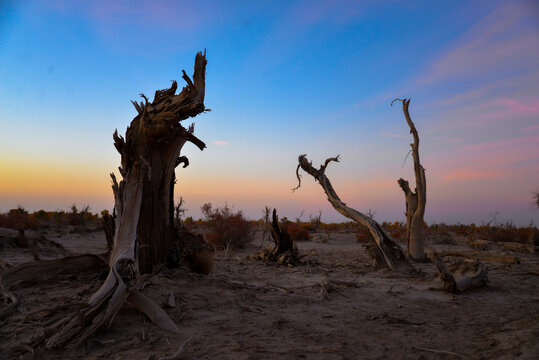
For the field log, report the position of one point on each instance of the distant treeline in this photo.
(223, 220)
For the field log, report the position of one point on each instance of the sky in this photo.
(283, 78)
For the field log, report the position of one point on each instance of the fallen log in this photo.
(456, 285)
(48, 269)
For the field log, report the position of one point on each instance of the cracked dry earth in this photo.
(246, 309)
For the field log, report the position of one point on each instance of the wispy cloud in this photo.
(221, 142)
(502, 40)
(398, 136)
(165, 14)
(468, 174)
(503, 143)
(520, 107)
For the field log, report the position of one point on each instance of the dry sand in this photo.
(246, 309)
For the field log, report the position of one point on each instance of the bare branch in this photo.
(182, 159)
(187, 79)
(144, 97)
(323, 167)
(137, 106)
(192, 138)
(401, 100)
(299, 179)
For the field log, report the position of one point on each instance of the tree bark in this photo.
(284, 250)
(387, 252)
(415, 201)
(144, 229)
(458, 285)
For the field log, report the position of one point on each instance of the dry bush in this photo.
(364, 236)
(80, 220)
(510, 233)
(299, 231)
(228, 228)
(396, 235)
(17, 219)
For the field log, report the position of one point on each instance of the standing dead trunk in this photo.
(415, 201)
(144, 229)
(387, 253)
(284, 250)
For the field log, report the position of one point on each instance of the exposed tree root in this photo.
(443, 352)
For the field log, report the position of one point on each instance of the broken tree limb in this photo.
(456, 285)
(388, 253)
(157, 315)
(47, 269)
(415, 201)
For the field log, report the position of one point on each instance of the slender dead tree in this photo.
(415, 200)
(386, 252)
(144, 231)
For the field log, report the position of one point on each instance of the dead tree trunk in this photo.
(388, 253)
(284, 250)
(144, 231)
(415, 201)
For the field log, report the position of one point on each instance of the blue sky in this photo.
(283, 78)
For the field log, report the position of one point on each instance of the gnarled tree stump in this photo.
(144, 230)
(284, 250)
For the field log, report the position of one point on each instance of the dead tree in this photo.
(284, 250)
(144, 231)
(415, 200)
(386, 252)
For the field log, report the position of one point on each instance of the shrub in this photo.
(299, 231)
(228, 228)
(363, 236)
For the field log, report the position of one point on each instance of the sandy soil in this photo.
(246, 309)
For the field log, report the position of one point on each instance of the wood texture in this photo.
(144, 227)
(387, 252)
(415, 200)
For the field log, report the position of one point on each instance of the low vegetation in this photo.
(228, 228)
(20, 219)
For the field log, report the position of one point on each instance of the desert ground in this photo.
(334, 305)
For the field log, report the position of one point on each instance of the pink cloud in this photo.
(398, 136)
(468, 174)
(531, 128)
(496, 42)
(519, 106)
(221, 142)
(503, 143)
